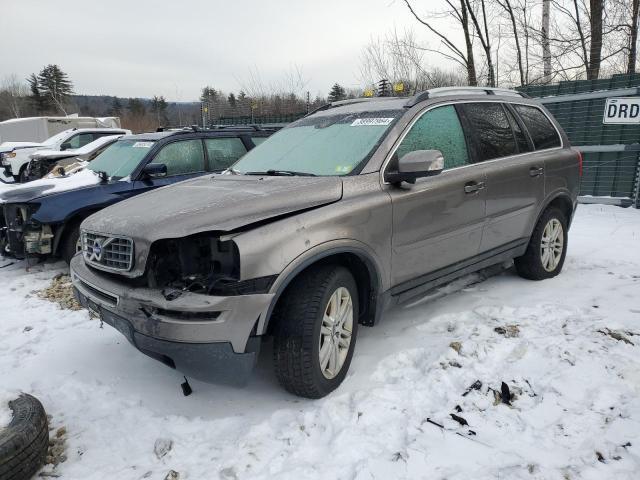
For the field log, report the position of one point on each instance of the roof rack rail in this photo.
(444, 91)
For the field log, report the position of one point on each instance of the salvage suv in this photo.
(360, 205)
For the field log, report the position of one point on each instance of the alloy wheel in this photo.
(552, 244)
(335, 332)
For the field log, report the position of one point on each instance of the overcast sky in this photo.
(145, 48)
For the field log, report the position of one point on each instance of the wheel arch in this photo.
(362, 265)
(62, 229)
(561, 200)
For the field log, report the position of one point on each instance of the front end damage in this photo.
(189, 309)
(23, 236)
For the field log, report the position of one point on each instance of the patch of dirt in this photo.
(619, 336)
(61, 292)
(509, 331)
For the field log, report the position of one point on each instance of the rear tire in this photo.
(547, 247)
(70, 242)
(316, 323)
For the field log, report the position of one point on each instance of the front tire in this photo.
(70, 244)
(547, 247)
(316, 323)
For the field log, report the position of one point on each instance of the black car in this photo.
(43, 217)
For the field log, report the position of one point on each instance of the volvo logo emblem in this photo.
(97, 249)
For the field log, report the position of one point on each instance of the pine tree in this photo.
(136, 107)
(337, 93)
(35, 97)
(232, 100)
(116, 107)
(54, 87)
(159, 109)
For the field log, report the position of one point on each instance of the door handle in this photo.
(536, 171)
(473, 187)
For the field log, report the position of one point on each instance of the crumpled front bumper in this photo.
(208, 338)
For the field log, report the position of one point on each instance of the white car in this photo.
(15, 156)
(55, 163)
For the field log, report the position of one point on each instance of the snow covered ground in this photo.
(568, 349)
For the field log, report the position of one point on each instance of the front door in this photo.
(184, 159)
(438, 221)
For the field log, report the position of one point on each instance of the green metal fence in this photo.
(611, 152)
(259, 120)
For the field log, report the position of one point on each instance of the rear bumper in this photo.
(208, 338)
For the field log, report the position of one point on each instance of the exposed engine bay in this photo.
(200, 264)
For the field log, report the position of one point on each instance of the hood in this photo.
(11, 146)
(26, 192)
(52, 154)
(213, 203)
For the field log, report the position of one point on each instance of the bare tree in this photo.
(13, 94)
(482, 33)
(461, 55)
(546, 46)
(400, 58)
(633, 37)
(506, 5)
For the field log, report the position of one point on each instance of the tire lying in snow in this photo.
(24, 443)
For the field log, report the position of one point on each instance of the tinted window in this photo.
(521, 138)
(542, 132)
(182, 157)
(437, 129)
(492, 132)
(223, 152)
(258, 140)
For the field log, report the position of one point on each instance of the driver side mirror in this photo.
(417, 164)
(65, 146)
(154, 170)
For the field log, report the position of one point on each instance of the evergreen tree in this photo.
(337, 93)
(159, 108)
(232, 100)
(35, 97)
(54, 87)
(116, 107)
(136, 107)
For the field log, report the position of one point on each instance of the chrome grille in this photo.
(107, 252)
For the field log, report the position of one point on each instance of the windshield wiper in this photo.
(283, 173)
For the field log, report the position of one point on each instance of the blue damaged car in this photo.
(42, 218)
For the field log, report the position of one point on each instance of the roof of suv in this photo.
(398, 103)
(209, 132)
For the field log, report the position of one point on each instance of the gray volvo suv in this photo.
(360, 205)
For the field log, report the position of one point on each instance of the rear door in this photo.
(515, 174)
(223, 152)
(437, 222)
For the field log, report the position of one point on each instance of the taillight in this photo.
(579, 161)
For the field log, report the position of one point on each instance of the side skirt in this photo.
(412, 288)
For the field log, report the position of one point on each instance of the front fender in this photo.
(321, 252)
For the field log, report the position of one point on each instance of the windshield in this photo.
(121, 158)
(322, 144)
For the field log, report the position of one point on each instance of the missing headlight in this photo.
(196, 264)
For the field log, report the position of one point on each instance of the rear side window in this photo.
(182, 158)
(224, 152)
(521, 138)
(492, 134)
(542, 132)
(437, 129)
